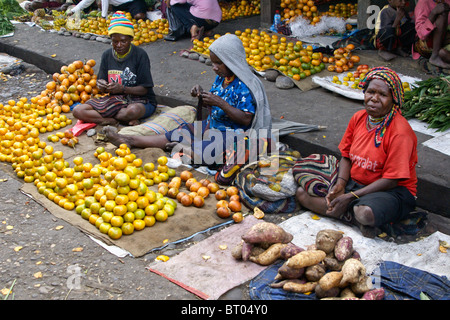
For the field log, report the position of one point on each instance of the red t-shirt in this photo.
(395, 158)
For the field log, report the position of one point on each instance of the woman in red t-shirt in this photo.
(376, 181)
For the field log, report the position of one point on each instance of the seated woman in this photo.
(394, 31)
(376, 178)
(196, 16)
(237, 103)
(125, 76)
(432, 27)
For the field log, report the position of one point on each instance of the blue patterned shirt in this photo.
(237, 95)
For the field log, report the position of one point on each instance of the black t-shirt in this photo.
(132, 71)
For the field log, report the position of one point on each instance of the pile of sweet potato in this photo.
(330, 267)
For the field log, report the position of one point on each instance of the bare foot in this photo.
(115, 138)
(169, 146)
(386, 55)
(109, 122)
(437, 61)
(134, 122)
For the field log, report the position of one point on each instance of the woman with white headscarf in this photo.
(237, 104)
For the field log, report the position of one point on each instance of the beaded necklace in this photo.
(229, 80)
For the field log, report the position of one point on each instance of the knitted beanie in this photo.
(120, 24)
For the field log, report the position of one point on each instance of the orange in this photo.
(120, 210)
(116, 221)
(161, 216)
(122, 179)
(127, 228)
(149, 221)
(139, 224)
(115, 233)
(142, 202)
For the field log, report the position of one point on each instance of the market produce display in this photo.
(291, 9)
(331, 267)
(113, 194)
(429, 101)
(239, 8)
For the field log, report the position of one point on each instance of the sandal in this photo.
(199, 35)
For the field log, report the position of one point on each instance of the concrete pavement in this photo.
(174, 77)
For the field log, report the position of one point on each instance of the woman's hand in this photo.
(115, 88)
(102, 85)
(337, 190)
(196, 91)
(210, 99)
(339, 205)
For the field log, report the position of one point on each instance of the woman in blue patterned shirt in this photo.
(237, 108)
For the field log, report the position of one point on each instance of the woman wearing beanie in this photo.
(125, 77)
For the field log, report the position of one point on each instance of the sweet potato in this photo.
(353, 271)
(356, 255)
(285, 272)
(320, 293)
(347, 293)
(236, 252)
(362, 286)
(269, 256)
(374, 294)
(281, 283)
(267, 232)
(246, 250)
(299, 287)
(330, 280)
(290, 250)
(343, 248)
(314, 273)
(333, 264)
(306, 258)
(326, 239)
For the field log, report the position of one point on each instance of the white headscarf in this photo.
(229, 49)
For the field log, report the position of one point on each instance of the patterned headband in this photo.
(395, 84)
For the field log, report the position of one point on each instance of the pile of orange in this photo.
(74, 83)
(265, 51)
(239, 8)
(343, 10)
(298, 62)
(343, 59)
(294, 8)
(144, 31)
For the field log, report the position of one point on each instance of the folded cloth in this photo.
(402, 282)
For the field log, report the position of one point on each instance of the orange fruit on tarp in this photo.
(115, 233)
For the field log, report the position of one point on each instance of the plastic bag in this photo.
(271, 178)
(175, 25)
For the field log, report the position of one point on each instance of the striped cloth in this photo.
(109, 106)
(316, 173)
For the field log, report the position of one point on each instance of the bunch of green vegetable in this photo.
(429, 101)
(8, 10)
(11, 9)
(5, 25)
